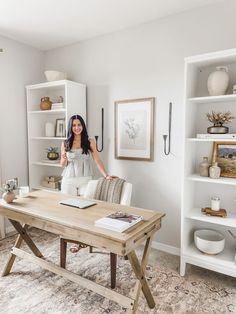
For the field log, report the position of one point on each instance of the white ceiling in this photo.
(48, 24)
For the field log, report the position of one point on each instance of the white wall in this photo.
(19, 65)
(147, 61)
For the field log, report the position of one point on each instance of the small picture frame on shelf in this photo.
(60, 128)
(225, 154)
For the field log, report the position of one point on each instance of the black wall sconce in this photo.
(167, 152)
(96, 136)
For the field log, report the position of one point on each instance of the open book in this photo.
(118, 221)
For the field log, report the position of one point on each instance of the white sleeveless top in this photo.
(79, 165)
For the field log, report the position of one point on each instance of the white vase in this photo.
(218, 81)
(49, 129)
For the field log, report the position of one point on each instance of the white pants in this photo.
(74, 186)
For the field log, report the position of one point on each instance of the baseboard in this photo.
(166, 248)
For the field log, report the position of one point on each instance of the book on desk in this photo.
(118, 221)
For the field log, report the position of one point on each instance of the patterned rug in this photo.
(30, 289)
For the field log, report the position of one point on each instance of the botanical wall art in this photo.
(134, 129)
(225, 154)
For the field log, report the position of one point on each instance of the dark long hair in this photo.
(85, 144)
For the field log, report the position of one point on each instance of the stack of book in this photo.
(51, 182)
(118, 221)
(58, 105)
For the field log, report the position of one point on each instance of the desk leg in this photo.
(139, 271)
(2, 227)
(22, 236)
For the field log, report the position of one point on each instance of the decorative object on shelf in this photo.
(52, 153)
(8, 196)
(46, 103)
(204, 167)
(51, 182)
(218, 119)
(234, 236)
(209, 212)
(234, 89)
(209, 241)
(218, 81)
(60, 128)
(59, 104)
(169, 132)
(96, 136)
(55, 75)
(134, 129)
(49, 129)
(225, 154)
(215, 203)
(214, 171)
(217, 136)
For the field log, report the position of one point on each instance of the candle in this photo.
(215, 203)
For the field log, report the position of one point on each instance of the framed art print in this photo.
(134, 129)
(225, 154)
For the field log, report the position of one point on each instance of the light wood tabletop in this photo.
(41, 209)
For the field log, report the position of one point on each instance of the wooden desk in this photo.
(41, 209)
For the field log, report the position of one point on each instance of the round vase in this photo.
(217, 129)
(214, 171)
(204, 167)
(52, 155)
(218, 81)
(46, 103)
(8, 197)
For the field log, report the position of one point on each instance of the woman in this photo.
(76, 152)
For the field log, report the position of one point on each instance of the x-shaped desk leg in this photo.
(22, 236)
(139, 270)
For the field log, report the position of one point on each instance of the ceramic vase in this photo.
(49, 129)
(218, 81)
(8, 197)
(46, 103)
(204, 167)
(214, 171)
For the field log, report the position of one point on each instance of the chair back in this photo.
(126, 193)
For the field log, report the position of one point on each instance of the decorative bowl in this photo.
(55, 75)
(209, 241)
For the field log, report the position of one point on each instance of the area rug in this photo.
(30, 289)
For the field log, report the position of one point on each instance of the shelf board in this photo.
(213, 99)
(47, 138)
(196, 214)
(54, 111)
(195, 139)
(222, 262)
(221, 180)
(52, 84)
(38, 163)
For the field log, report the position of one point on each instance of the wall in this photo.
(19, 65)
(147, 61)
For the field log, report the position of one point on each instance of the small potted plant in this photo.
(52, 153)
(7, 189)
(219, 119)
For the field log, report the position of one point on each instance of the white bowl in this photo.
(209, 241)
(55, 75)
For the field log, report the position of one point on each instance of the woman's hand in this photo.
(108, 177)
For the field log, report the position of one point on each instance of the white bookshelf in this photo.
(196, 190)
(74, 95)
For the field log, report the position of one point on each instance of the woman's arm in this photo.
(98, 161)
(63, 160)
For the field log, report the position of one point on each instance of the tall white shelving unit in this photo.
(196, 190)
(74, 95)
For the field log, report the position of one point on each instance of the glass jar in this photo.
(215, 203)
(204, 167)
(214, 171)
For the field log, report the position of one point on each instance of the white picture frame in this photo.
(60, 128)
